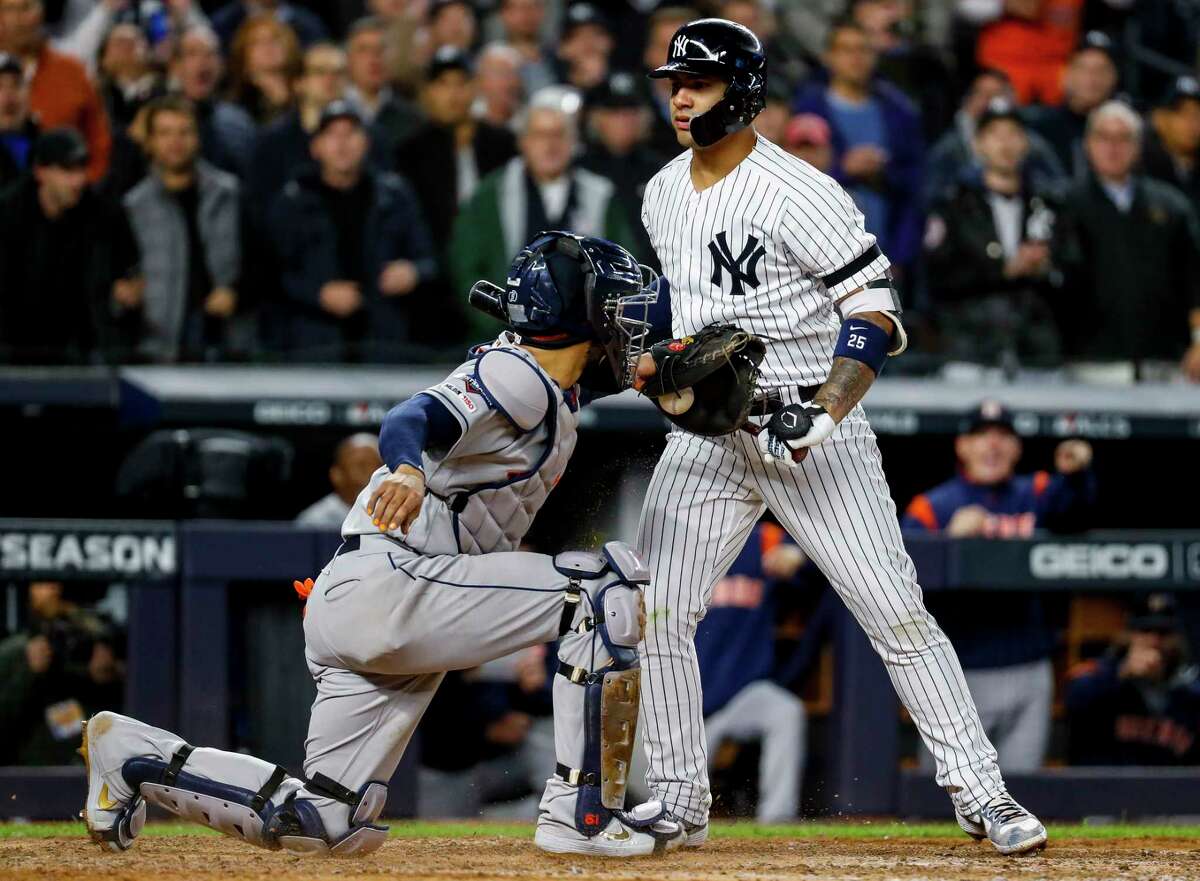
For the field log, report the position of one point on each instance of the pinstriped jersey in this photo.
(770, 247)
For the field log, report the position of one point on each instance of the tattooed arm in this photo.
(849, 379)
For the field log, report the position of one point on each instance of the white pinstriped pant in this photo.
(704, 498)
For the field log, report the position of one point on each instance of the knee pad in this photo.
(609, 588)
(598, 656)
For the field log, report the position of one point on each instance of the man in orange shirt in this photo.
(1030, 40)
(60, 93)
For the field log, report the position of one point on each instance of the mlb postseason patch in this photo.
(461, 395)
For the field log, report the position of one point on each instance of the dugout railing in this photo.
(182, 577)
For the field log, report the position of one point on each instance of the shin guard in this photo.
(596, 691)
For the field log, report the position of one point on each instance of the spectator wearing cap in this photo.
(914, 67)
(498, 84)
(392, 117)
(229, 18)
(1170, 31)
(877, 148)
(521, 23)
(1139, 703)
(60, 93)
(18, 131)
(352, 248)
(954, 152)
(281, 149)
(227, 131)
(584, 47)
(540, 189)
(452, 151)
(1006, 653)
(617, 122)
(1134, 270)
(355, 459)
(453, 23)
(1030, 40)
(991, 242)
(185, 215)
(807, 136)
(68, 265)
(1172, 149)
(264, 62)
(1090, 80)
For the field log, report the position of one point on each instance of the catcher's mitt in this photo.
(705, 382)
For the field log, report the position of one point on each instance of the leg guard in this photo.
(276, 815)
(596, 692)
(131, 764)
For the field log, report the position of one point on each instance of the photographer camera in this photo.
(61, 668)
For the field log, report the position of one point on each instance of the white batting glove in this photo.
(790, 432)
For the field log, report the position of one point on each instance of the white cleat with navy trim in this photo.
(1009, 827)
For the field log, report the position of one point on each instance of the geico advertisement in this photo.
(1116, 560)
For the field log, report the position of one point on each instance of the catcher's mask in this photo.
(564, 289)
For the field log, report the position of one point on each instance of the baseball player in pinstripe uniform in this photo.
(428, 579)
(751, 236)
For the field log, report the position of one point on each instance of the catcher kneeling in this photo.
(428, 579)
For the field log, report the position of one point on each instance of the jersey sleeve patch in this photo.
(513, 386)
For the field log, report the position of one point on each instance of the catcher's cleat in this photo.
(111, 823)
(1010, 828)
(644, 831)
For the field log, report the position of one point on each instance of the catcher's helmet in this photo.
(564, 289)
(720, 48)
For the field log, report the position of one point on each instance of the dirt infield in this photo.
(484, 858)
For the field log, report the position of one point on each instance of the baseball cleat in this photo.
(111, 822)
(617, 839)
(1010, 828)
(697, 833)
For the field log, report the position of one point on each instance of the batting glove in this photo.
(790, 432)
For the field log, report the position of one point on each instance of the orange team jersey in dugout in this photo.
(1033, 53)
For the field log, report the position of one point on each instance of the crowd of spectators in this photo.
(322, 181)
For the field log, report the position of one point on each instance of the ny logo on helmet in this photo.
(723, 259)
(679, 48)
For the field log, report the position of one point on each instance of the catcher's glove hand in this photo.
(704, 383)
(786, 437)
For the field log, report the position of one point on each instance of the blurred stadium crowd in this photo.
(215, 180)
(263, 181)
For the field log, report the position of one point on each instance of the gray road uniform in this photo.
(390, 613)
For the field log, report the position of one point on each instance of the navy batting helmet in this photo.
(720, 48)
(564, 289)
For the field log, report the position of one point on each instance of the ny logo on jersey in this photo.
(723, 259)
